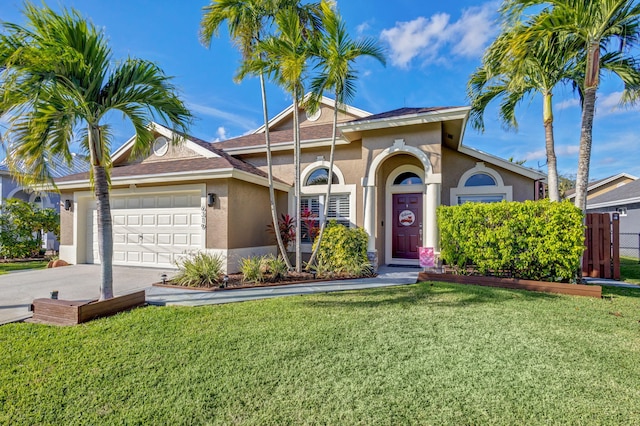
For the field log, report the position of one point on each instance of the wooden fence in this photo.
(601, 258)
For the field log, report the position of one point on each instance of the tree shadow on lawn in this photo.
(608, 292)
(432, 293)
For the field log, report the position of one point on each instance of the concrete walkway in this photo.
(610, 283)
(75, 282)
(387, 276)
(82, 282)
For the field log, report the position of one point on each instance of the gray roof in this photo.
(59, 167)
(627, 191)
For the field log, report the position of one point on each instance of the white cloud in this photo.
(426, 38)
(541, 154)
(362, 28)
(569, 103)
(238, 120)
(222, 134)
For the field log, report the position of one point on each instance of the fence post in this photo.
(638, 248)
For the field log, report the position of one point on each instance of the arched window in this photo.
(320, 177)
(481, 184)
(480, 179)
(407, 178)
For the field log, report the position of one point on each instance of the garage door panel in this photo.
(118, 219)
(164, 201)
(164, 258)
(164, 239)
(118, 203)
(148, 258)
(133, 256)
(148, 220)
(148, 202)
(181, 239)
(196, 239)
(180, 219)
(164, 219)
(119, 238)
(119, 256)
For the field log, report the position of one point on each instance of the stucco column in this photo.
(370, 222)
(432, 237)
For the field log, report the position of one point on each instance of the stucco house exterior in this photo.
(625, 200)
(391, 172)
(602, 186)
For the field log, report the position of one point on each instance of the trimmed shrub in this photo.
(200, 269)
(343, 251)
(537, 240)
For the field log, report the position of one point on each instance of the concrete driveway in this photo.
(77, 282)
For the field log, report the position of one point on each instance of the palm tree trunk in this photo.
(296, 161)
(103, 209)
(323, 224)
(584, 154)
(552, 166)
(272, 196)
(586, 133)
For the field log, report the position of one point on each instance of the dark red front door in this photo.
(407, 225)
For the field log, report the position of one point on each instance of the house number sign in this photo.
(407, 217)
(203, 215)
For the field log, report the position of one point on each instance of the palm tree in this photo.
(511, 74)
(59, 79)
(284, 57)
(336, 54)
(248, 22)
(601, 27)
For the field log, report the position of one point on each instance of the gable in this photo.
(284, 120)
(182, 147)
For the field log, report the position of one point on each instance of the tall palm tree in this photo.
(336, 54)
(511, 74)
(601, 27)
(246, 21)
(286, 56)
(249, 22)
(58, 80)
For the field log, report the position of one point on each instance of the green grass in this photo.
(19, 266)
(630, 270)
(420, 354)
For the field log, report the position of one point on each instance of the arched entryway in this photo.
(401, 197)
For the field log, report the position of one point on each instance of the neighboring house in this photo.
(599, 187)
(11, 188)
(392, 171)
(625, 200)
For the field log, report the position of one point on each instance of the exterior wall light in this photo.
(67, 205)
(211, 199)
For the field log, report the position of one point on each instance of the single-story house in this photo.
(625, 200)
(602, 186)
(392, 170)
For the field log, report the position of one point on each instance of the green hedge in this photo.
(343, 252)
(536, 240)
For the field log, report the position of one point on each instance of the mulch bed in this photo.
(235, 282)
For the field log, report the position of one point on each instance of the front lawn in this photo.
(422, 354)
(630, 270)
(19, 266)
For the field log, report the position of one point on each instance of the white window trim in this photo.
(499, 189)
(339, 188)
(392, 189)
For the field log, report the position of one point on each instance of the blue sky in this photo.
(432, 48)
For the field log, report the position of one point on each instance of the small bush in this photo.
(200, 270)
(343, 251)
(263, 268)
(537, 240)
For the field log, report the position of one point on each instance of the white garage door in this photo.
(151, 230)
